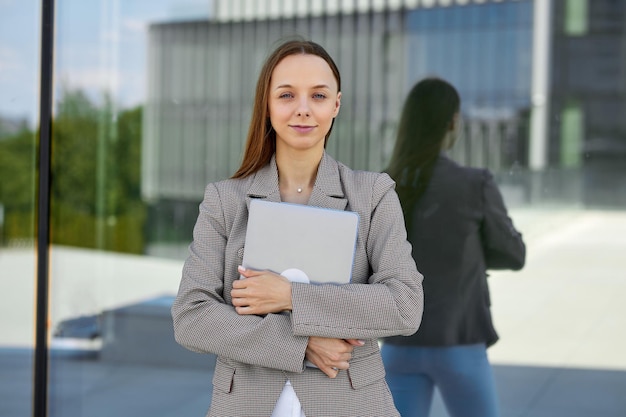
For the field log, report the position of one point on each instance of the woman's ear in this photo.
(337, 104)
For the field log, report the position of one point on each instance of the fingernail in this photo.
(241, 268)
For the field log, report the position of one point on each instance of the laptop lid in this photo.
(303, 243)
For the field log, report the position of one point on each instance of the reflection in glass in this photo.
(109, 315)
(152, 101)
(19, 65)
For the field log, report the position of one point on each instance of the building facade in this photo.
(202, 77)
(97, 175)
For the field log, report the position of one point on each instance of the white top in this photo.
(288, 404)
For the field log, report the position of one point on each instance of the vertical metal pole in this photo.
(40, 391)
(539, 122)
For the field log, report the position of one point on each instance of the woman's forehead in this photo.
(303, 69)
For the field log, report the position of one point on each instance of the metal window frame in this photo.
(40, 390)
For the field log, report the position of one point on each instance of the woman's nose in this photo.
(303, 109)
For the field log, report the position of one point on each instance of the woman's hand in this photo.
(261, 292)
(331, 355)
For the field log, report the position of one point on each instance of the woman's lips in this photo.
(302, 129)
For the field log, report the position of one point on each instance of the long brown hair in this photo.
(427, 116)
(261, 139)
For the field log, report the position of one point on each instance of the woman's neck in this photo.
(296, 176)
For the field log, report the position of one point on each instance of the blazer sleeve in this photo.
(205, 322)
(503, 245)
(391, 300)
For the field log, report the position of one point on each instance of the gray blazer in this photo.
(256, 355)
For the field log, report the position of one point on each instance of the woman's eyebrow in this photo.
(291, 86)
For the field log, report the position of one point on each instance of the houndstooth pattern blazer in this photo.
(256, 355)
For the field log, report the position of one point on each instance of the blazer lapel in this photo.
(328, 190)
(265, 184)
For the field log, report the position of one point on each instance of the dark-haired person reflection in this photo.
(459, 227)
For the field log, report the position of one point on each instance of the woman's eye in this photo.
(286, 95)
(319, 96)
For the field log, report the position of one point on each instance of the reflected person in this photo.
(261, 354)
(459, 227)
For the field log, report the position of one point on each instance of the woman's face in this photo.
(303, 101)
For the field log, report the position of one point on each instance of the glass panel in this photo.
(576, 17)
(572, 133)
(112, 345)
(19, 83)
(152, 101)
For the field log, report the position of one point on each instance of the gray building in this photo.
(537, 80)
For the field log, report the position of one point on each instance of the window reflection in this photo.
(152, 102)
(19, 66)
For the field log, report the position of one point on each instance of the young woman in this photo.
(458, 225)
(260, 370)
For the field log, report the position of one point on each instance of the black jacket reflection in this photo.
(461, 229)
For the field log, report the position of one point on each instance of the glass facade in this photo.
(589, 94)
(19, 82)
(485, 51)
(151, 100)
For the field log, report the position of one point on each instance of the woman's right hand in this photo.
(330, 355)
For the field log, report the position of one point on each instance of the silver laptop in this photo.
(302, 243)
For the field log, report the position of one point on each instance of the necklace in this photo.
(298, 189)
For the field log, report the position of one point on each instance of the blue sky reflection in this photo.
(100, 47)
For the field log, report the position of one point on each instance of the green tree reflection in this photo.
(96, 164)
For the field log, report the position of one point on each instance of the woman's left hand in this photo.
(261, 292)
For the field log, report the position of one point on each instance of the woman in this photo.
(458, 225)
(260, 370)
